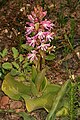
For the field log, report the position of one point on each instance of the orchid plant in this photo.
(39, 35)
(38, 92)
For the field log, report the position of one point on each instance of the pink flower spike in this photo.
(43, 46)
(32, 56)
(31, 18)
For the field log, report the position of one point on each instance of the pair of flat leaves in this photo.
(17, 90)
(39, 81)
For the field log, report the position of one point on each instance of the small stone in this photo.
(28, 5)
(18, 33)
(16, 105)
(2, 107)
(60, 83)
(4, 100)
(15, 117)
(78, 54)
(72, 77)
(5, 31)
(22, 9)
(20, 22)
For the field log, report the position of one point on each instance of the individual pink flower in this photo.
(32, 56)
(49, 36)
(31, 40)
(30, 17)
(30, 28)
(41, 35)
(42, 14)
(43, 46)
(33, 18)
(47, 24)
(33, 14)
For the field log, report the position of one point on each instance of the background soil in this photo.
(13, 16)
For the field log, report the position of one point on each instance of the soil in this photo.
(13, 16)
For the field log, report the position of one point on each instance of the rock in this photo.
(5, 31)
(15, 105)
(4, 101)
(15, 117)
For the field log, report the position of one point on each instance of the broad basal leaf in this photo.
(15, 89)
(51, 88)
(44, 101)
(39, 102)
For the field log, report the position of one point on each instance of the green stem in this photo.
(7, 111)
(72, 102)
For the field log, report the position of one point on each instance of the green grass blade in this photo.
(52, 113)
(26, 116)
